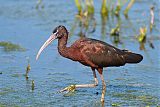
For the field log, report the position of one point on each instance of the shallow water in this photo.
(21, 23)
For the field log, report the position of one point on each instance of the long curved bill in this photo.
(50, 39)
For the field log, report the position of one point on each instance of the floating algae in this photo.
(144, 99)
(16, 75)
(116, 105)
(2, 105)
(8, 46)
(4, 91)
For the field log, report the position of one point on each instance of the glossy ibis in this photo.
(91, 52)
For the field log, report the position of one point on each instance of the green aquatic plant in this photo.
(142, 35)
(90, 6)
(142, 38)
(33, 84)
(115, 105)
(28, 68)
(78, 5)
(115, 31)
(85, 17)
(86, 7)
(152, 18)
(128, 7)
(158, 105)
(104, 9)
(8, 46)
(118, 8)
(145, 99)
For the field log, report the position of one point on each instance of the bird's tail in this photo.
(132, 57)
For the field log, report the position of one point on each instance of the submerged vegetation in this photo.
(147, 100)
(8, 46)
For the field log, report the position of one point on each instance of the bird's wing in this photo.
(101, 53)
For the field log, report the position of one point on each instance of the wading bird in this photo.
(90, 52)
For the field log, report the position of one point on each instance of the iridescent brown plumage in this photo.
(91, 52)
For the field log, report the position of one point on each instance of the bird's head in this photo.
(57, 33)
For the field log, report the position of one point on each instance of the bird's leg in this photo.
(89, 85)
(95, 77)
(100, 70)
(71, 88)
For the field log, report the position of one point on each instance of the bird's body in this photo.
(91, 52)
(96, 53)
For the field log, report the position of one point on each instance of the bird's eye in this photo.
(54, 31)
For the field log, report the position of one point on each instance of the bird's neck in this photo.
(62, 46)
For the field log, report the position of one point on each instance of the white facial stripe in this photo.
(55, 32)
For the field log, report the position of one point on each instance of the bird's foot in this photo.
(68, 89)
